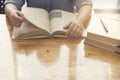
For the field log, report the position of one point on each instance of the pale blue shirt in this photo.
(49, 5)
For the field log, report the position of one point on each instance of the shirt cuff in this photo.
(17, 4)
(87, 2)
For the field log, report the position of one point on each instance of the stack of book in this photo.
(104, 32)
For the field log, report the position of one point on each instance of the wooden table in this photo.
(54, 59)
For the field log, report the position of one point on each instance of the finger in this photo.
(16, 21)
(18, 24)
(20, 16)
(67, 26)
(73, 31)
(17, 18)
(77, 34)
(81, 31)
(70, 29)
(20, 13)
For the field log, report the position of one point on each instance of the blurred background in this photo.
(1, 6)
(106, 4)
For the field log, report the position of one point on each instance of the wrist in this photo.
(80, 22)
(9, 9)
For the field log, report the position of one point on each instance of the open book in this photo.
(41, 24)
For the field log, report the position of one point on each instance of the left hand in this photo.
(74, 29)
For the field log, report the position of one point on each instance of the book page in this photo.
(37, 16)
(27, 30)
(58, 20)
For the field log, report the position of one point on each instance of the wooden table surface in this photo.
(54, 59)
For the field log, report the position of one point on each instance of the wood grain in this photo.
(54, 59)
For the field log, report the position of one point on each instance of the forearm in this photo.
(84, 15)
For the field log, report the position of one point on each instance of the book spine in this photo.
(102, 45)
(106, 39)
(103, 42)
(117, 52)
(118, 46)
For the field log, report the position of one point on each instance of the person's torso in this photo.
(49, 5)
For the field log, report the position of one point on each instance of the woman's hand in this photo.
(15, 16)
(74, 29)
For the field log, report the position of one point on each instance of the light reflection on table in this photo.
(54, 59)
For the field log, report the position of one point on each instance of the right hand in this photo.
(74, 29)
(16, 17)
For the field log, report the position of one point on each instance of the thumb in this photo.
(66, 26)
(21, 15)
